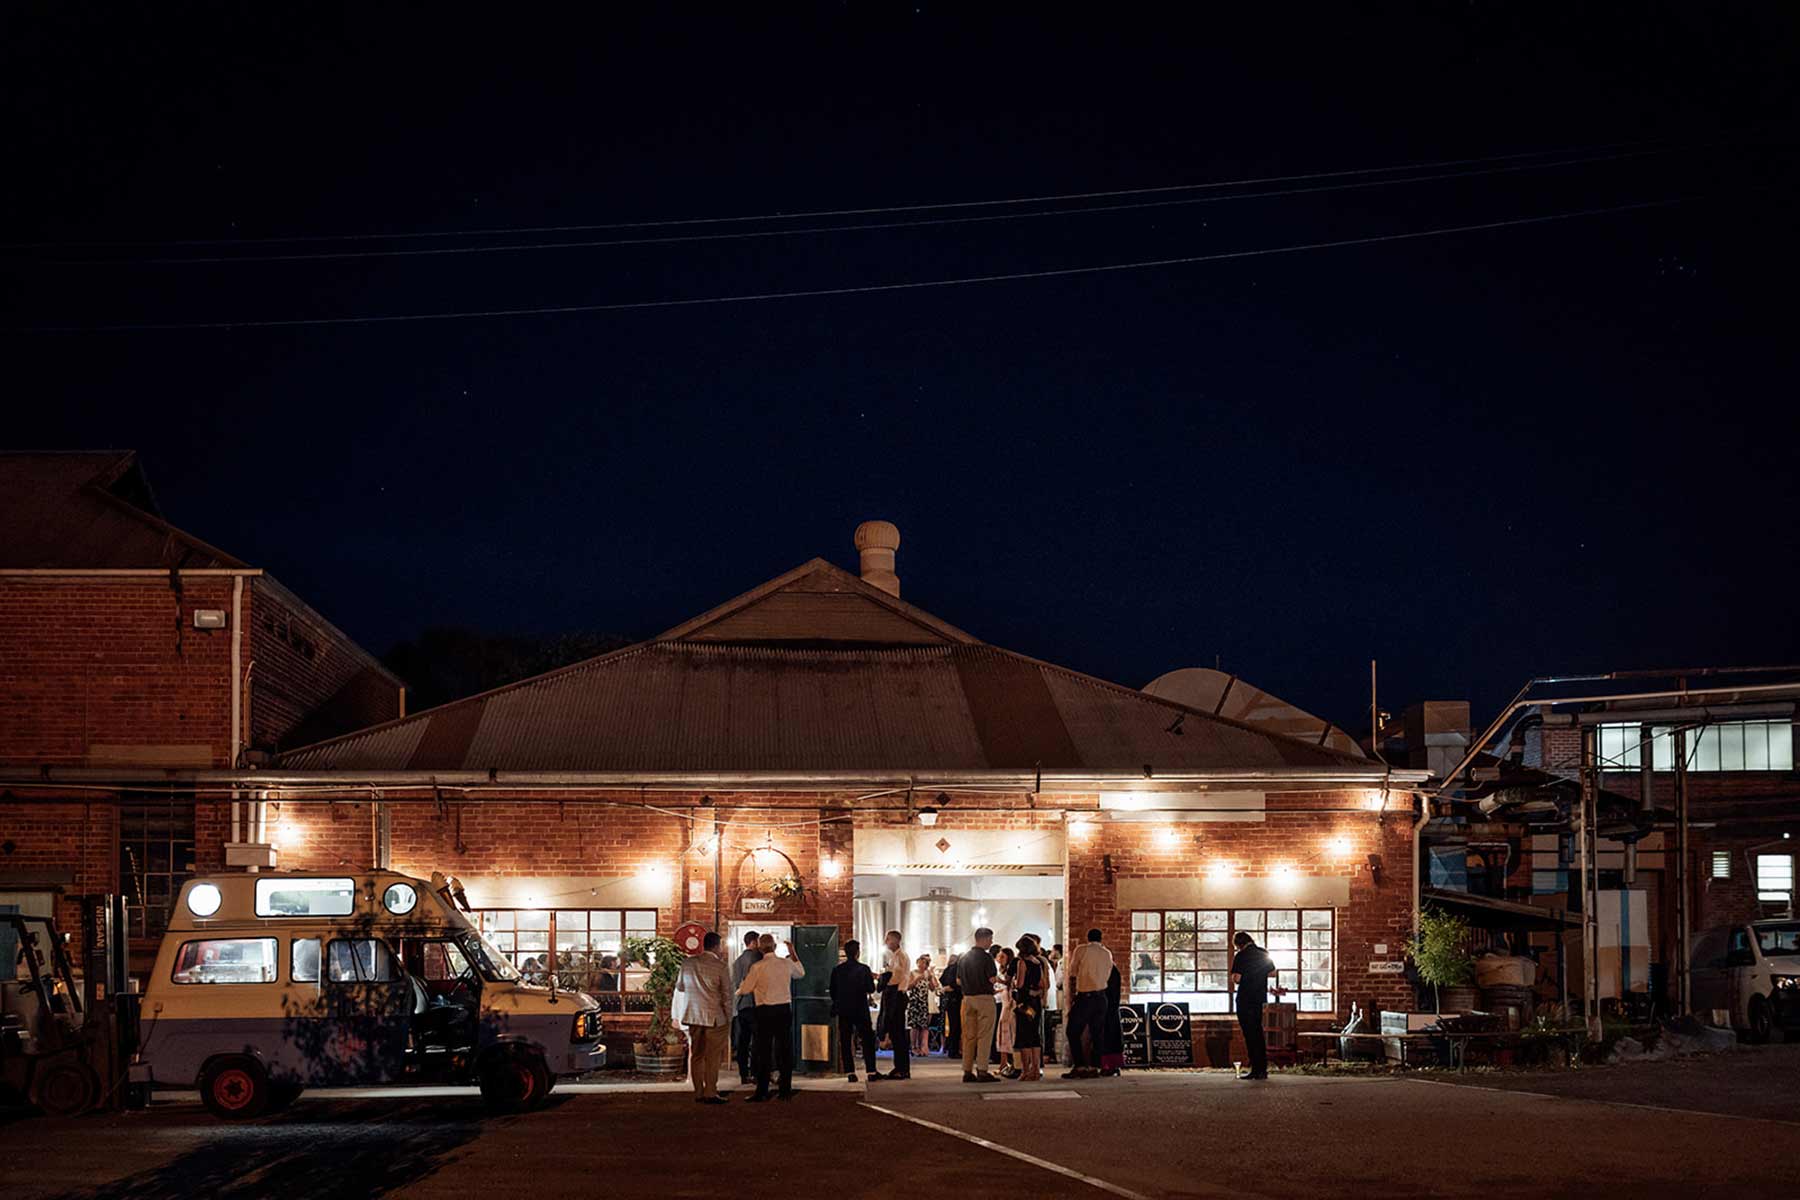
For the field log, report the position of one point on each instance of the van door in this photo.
(367, 1000)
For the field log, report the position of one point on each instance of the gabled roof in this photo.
(813, 671)
(818, 602)
(87, 510)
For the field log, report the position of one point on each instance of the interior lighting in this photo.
(1081, 829)
(927, 816)
(1220, 871)
(654, 873)
(1338, 846)
(1168, 837)
(831, 868)
(1287, 876)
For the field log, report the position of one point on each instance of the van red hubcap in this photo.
(233, 1088)
(526, 1082)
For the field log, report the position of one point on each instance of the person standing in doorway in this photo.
(704, 1003)
(744, 1033)
(1027, 985)
(918, 1004)
(1251, 969)
(1005, 1026)
(1090, 967)
(950, 1000)
(897, 982)
(850, 986)
(975, 973)
(770, 981)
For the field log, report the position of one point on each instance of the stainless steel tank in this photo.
(936, 922)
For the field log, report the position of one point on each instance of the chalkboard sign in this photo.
(1158, 1034)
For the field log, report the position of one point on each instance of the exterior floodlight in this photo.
(203, 899)
(927, 816)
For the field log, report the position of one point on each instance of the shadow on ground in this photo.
(332, 1149)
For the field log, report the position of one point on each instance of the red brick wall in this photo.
(310, 682)
(88, 662)
(67, 844)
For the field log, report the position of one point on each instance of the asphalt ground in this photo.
(1620, 1131)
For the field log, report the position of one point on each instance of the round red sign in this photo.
(691, 937)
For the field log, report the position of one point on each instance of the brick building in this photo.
(131, 650)
(820, 731)
(1509, 831)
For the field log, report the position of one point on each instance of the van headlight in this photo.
(587, 1025)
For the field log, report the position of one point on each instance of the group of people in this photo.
(1000, 996)
(994, 1001)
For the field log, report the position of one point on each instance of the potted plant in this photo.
(1441, 955)
(663, 1050)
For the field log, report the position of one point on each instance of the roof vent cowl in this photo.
(877, 541)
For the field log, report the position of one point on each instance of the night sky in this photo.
(1555, 447)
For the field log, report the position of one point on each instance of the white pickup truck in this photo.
(1751, 971)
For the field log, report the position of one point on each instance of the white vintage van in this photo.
(268, 983)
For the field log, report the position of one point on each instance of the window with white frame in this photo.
(1721, 864)
(1184, 955)
(1775, 879)
(1726, 746)
(581, 946)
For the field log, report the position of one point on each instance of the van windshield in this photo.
(1779, 939)
(489, 960)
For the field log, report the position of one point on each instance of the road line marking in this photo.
(1662, 1108)
(1052, 1095)
(1058, 1169)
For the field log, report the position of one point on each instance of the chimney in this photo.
(877, 540)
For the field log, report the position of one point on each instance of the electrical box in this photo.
(210, 618)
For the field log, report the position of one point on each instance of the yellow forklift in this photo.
(64, 1041)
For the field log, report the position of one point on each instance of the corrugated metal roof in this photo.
(89, 510)
(700, 706)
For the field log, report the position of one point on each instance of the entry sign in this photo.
(1158, 1034)
(691, 937)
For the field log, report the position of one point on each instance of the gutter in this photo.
(132, 572)
(985, 779)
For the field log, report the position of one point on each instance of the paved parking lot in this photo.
(1151, 1135)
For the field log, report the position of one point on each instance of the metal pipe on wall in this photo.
(237, 696)
(1683, 982)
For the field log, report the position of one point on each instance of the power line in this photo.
(521, 230)
(750, 297)
(739, 235)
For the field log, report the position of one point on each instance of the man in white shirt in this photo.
(703, 1002)
(1090, 968)
(770, 980)
(898, 972)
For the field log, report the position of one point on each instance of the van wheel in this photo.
(67, 1087)
(235, 1089)
(515, 1081)
(1762, 1020)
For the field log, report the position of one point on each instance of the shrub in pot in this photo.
(1441, 954)
(663, 1047)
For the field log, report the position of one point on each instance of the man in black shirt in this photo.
(851, 984)
(1250, 970)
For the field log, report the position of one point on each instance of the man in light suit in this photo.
(704, 1003)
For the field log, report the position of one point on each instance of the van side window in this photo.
(226, 960)
(304, 960)
(360, 960)
(443, 961)
(1740, 940)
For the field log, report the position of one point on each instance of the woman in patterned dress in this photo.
(918, 1003)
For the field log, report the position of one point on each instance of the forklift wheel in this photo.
(235, 1088)
(65, 1088)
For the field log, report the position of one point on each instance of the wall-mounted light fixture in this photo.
(927, 816)
(830, 868)
(1106, 866)
(1374, 861)
(1338, 846)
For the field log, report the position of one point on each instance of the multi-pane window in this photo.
(156, 856)
(580, 946)
(1185, 955)
(1775, 879)
(1726, 746)
(1721, 864)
